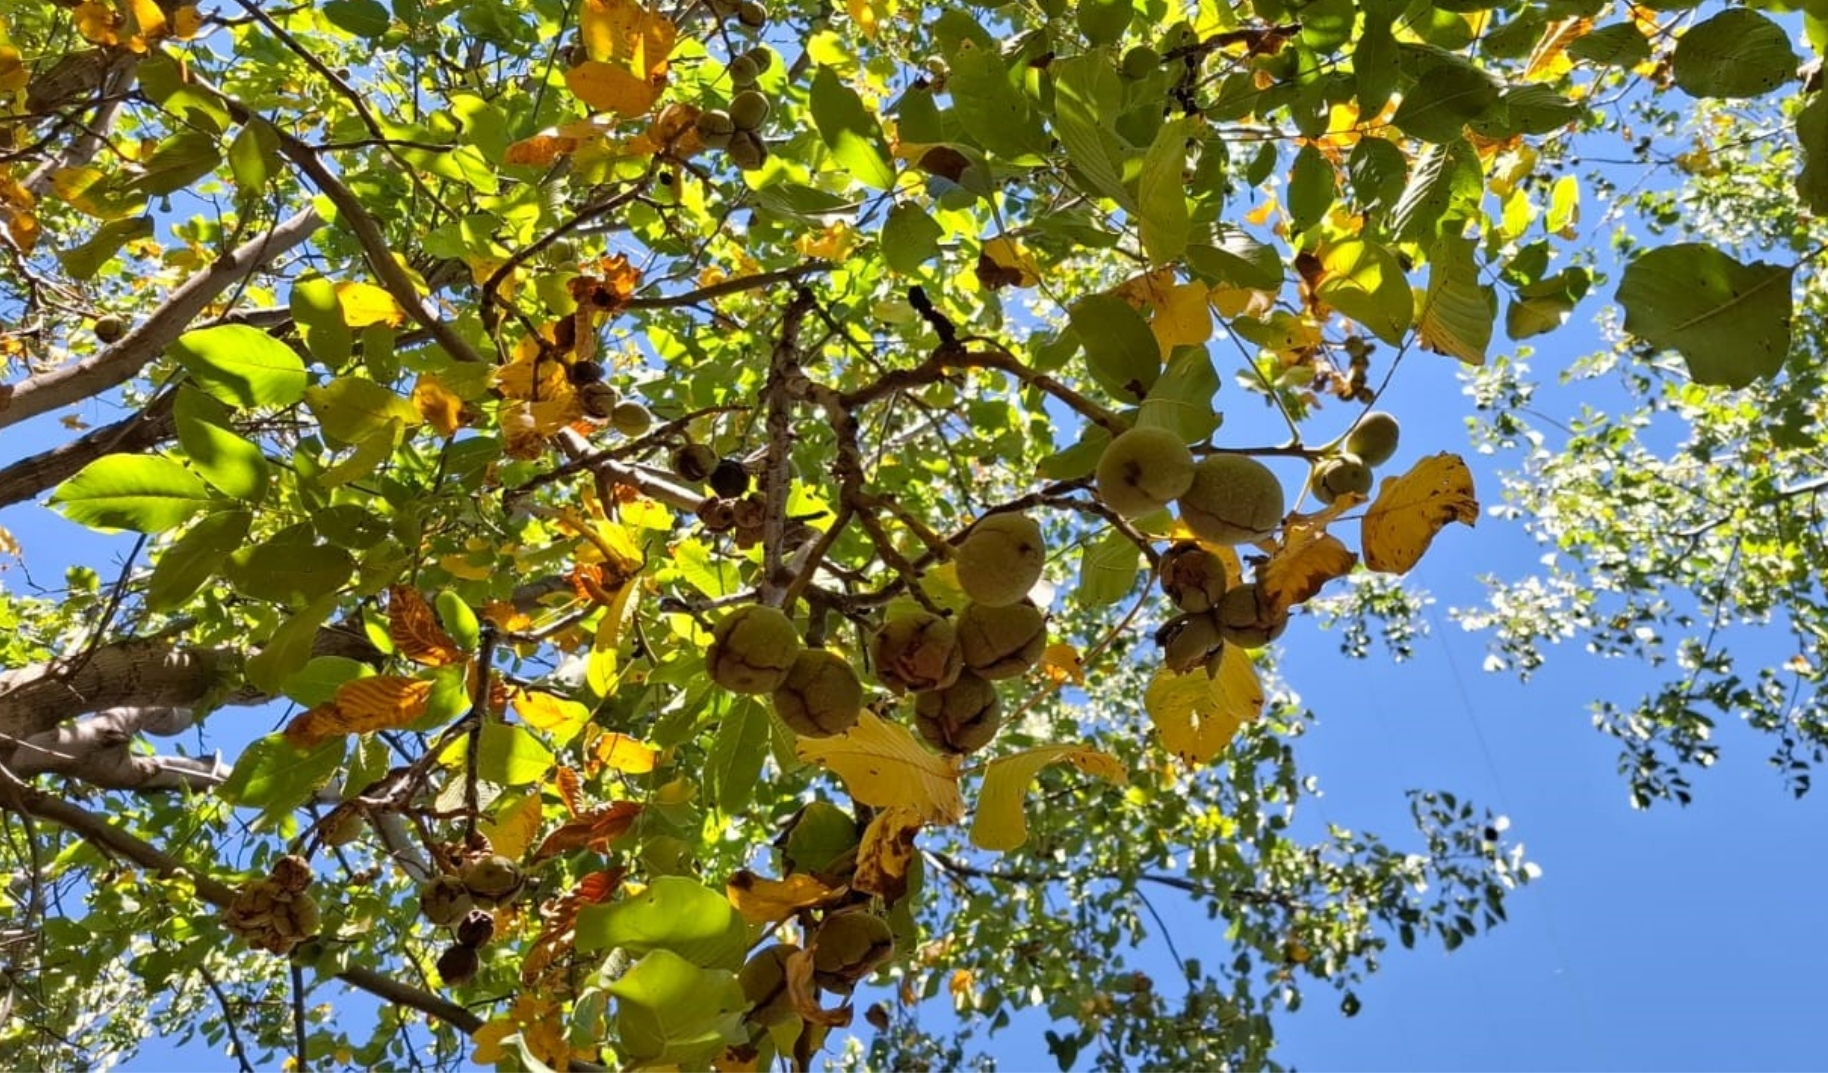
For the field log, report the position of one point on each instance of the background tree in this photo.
(676, 478)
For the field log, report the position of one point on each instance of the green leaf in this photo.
(734, 763)
(822, 834)
(1087, 92)
(289, 649)
(1730, 321)
(674, 913)
(351, 408)
(509, 755)
(319, 316)
(1236, 258)
(1374, 63)
(1618, 45)
(1181, 399)
(1737, 53)
(1530, 109)
(1544, 306)
(670, 1012)
(367, 457)
(231, 464)
(290, 568)
(1076, 461)
(1446, 184)
(850, 131)
(275, 776)
(1108, 569)
(242, 366)
(1445, 99)
(1812, 135)
(363, 18)
(195, 557)
(1311, 189)
(86, 260)
(1120, 351)
(1161, 195)
(317, 681)
(1365, 281)
(1458, 313)
(254, 156)
(1103, 21)
(1378, 172)
(179, 160)
(910, 238)
(144, 493)
(992, 111)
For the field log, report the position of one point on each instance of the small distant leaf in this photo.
(882, 765)
(1412, 508)
(1001, 823)
(364, 304)
(1736, 53)
(1197, 716)
(1730, 321)
(619, 752)
(242, 366)
(144, 493)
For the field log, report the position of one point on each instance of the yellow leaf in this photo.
(415, 632)
(1061, 663)
(608, 88)
(13, 72)
(882, 765)
(885, 852)
(1013, 261)
(619, 752)
(9, 544)
(148, 18)
(383, 702)
(186, 22)
(98, 23)
(624, 32)
(1001, 823)
(1549, 59)
(1196, 715)
(869, 15)
(1242, 302)
(561, 718)
(364, 304)
(1411, 509)
(438, 405)
(1182, 318)
(1307, 557)
(539, 150)
(513, 826)
(769, 901)
(24, 229)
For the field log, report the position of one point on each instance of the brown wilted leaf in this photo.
(885, 853)
(761, 900)
(383, 702)
(1411, 509)
(1306, 558)
(946, 162)
(565, 780)
(558, 916)
(805, 994)
(594, 829)
(413, 628)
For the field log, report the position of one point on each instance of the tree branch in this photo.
(122, 361)
(41, 472)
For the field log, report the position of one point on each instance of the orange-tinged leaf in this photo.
(619, 752)
(608, 88)
(869, 15)
(884, 854)
(505, 616)
(883, 765)
(510, 831)
(561, 718)
(804, 994)
(1062, 664)
(383, 702)
(559, 915)
(594, 829)
(625, 32)
(1411, 509)
(13, 72)
(566, 781)
(761, 900)
(148, 19)
(364, 304)
(1196, 715)
(413, 628)
(539, 150)
(438, 405)
(1307, 557)
(1001, 823)
(186, 22)
(1549, 59)
(961, 983)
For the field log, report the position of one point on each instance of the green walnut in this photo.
(1144, 470)
(1188, 641)
(752, 14)
(1193, 577)
(693, 462)
(714, 128)
(492, 879)
(847, 947)
(1002, 642)
(1374, 438)
(963, 717)
(110, 327)
(476, 928)
(1339, 475)
(822, 695)
(762, 56)
(1246, 621)
(764, 981)
(600, 401)
(1001, 559)
(631, 418)
(445, 900)
(752, 649)
(458, 965)
(743, 72)
(1234, 499)
(916, 651)
(749, 110)
(747, 150)
(1140, 62)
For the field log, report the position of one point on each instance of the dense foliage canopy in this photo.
(635, 528)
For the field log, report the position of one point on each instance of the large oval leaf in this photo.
(144, 493)
(242, 366)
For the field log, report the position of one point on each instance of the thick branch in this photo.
(41, 472)
(99, 751)
(122, 361)
(32, 801)
(126, 674)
